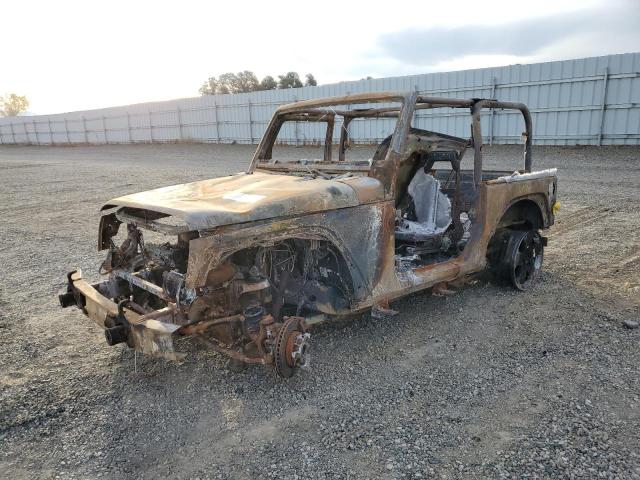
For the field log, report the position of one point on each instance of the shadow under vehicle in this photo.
(247, 262)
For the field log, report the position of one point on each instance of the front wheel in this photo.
(522, 259)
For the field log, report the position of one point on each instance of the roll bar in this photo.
(476, 105)
(310, 110)
(477, 133)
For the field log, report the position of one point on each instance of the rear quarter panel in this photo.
(495, 200)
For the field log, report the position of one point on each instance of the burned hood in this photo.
(248, 197)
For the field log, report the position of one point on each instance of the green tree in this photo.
(268, 83)
(12, 105)
(210, 87)
(215, 86)
(245, 82)
(227, 82)
(230, 82)
(311, 81)
(290, 80)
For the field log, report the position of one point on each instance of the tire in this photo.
(522, 260)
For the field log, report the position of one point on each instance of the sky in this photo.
(77, 55)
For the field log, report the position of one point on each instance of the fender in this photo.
(532, 208)
(357, 233)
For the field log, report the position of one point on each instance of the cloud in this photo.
(614, 26)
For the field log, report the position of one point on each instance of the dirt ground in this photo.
(487, 383)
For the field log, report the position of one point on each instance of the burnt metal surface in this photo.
(241, 198)
(246, 258)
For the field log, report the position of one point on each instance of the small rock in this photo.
(631, 324)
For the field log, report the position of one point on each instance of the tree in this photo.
(210, 87)
(245, 82)
(290, 80)
(241, 82)
(215, 85)
(12, 105)
(311, 81)
(268, 83)
(227, 82)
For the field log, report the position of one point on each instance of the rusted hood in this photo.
(249, 197)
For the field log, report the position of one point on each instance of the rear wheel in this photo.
(522, 260)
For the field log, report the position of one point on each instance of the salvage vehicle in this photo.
(247, 262)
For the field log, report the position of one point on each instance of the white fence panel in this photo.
(587, 101)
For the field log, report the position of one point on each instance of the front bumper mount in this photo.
(151, 334)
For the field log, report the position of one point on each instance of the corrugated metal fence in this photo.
(574, 102)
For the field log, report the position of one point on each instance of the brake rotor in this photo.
(291, 346)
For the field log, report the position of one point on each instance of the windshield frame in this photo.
(315, 111)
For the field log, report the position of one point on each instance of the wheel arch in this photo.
(346, 267)
(209, 255)
(525, 213)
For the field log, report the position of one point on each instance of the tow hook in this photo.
(117, 329)
(72, 298)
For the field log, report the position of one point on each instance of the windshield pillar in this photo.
(344, 138)
(328, 139)
(386, 171)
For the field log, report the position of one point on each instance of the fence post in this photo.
(603, 105)
(414, 118)
(50, 131)
(215, 111)
(494, 85)
(150, 126)
(295, 123)
(104, 129)
(35, 130)
(250, 123)
(129, 127)
(179, 122)
(13, 133)
(84, 128)
(66, 130)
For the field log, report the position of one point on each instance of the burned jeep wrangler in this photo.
(246, 263)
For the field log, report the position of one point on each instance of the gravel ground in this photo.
(487, 383)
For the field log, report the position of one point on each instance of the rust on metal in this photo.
(246, 258)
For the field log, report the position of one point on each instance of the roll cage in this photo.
(408, 103)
